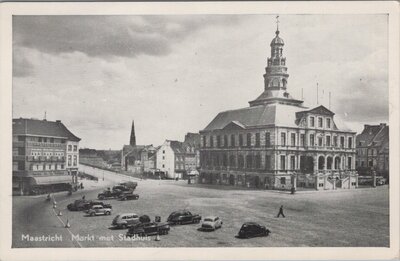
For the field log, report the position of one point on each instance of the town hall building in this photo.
(277, 142)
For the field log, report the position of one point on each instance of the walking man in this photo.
(281, 212)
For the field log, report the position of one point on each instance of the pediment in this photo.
(321, 110)
(234, 125)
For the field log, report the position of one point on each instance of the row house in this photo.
(373, 150)
(45, 156)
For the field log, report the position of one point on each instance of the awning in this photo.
(47, 180)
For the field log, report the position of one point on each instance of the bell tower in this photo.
(276, 76)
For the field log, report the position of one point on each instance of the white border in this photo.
(51, 8)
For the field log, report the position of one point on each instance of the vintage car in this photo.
(128, 196)
(85, 205)
(183, 217)
(125, 220)
(98, 210)
(211, 223)
(148, 229)
(252, 229)
(78, 205)
(106, 194)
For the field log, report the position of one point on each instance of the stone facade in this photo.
(373, 150)
(42, 161)
(277, 142)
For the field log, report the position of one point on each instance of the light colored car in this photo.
(211, 223)
(98, 210)
(125, 220)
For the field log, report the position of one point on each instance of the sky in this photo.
(174, 74)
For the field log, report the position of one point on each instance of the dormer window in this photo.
(320, 122)
(312, 123)
(328, 123)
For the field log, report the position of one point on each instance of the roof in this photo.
(374, 133)
(251, 223)
(135, 150)
(177, 146)
(46, 128)
(260, 115)
(192, 139)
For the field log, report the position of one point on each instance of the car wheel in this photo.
(108, 213)
(92, 214)
(124, 226)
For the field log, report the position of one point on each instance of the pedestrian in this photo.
(281, 212)
(81, 185)
(292, 190)
(83, 198)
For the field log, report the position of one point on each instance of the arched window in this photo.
(337, 162)
(321, 162)
(275, 83)
(329, 162)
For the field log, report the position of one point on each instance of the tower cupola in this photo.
(276, 76)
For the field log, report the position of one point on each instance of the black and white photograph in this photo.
(267, 129)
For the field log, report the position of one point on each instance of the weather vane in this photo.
(277, 22)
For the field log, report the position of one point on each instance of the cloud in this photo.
(204, 64)
(108, 36)
(22, 66)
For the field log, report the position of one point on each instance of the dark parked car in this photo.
(129, 196)
(252, 229)
(78, 205)
(109, 194)
(148, 229)
(183, 217)
(122, 188)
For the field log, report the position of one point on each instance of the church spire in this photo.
(132, 141)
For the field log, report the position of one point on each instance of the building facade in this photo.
(41, 160)
(138, 159)
(373, 150)
(191, 145)
(277, 142)
(170, 159)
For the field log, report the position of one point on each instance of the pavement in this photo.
(312, 219)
